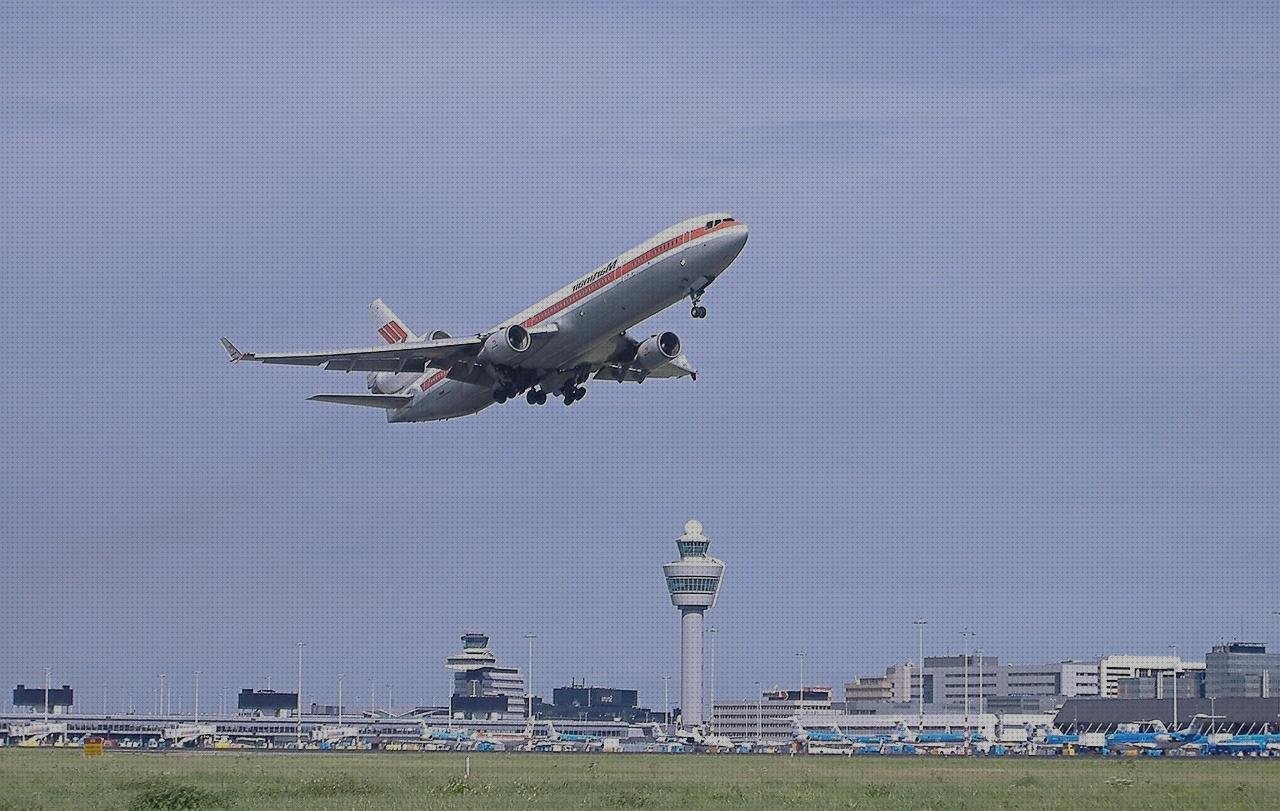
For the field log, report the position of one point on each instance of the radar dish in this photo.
(693, 527)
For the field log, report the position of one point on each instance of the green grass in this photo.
(51, 778)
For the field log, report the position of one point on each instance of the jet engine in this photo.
(657, 351)
(503, 348)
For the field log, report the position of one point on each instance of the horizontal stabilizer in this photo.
(370, 400)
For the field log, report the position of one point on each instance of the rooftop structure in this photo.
(267, 703)
(56, 700)
(693, 582)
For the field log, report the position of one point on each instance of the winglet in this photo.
(232, 352)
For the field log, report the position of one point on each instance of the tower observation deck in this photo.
(693, 582)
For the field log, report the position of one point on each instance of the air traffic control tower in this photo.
(694, 581)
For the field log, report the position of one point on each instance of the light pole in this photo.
(800, 656)
(966, 635)
(339, 699)
(389, 701)
(1176, 663)
(161, 702)
(666, 702)
(528, 693)
(197, 711)
(712, 674)
(920, 667)
(48, 673)
(299, 702)
(981, 697)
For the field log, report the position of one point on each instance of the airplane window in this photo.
(711, 223)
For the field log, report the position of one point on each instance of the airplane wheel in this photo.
(579, 393)
(699, 312)
(499, 397)
(569, 398)
(542, 398)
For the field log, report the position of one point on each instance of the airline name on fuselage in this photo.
(591, 277)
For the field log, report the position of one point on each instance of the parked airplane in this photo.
(835, 735)
(904, 734)
(1259, 744)
(455, 735)
(502, 741)
(1049, 737)
(698, 739)
(571, 737)
(548, 349)
(1157, 736)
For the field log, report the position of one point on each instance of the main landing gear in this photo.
(573, 394)
(697, 311)
(536, 397)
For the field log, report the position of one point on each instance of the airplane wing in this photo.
(620, 364)
(410, 356)
(370, 400)
(623, 372)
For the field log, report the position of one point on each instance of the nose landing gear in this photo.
(697, 310)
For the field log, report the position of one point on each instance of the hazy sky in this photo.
(1002, 350)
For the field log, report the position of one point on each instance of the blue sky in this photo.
(1001, 352)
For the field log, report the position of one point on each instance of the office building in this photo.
(769, 717)
(1241, 670)
(1111, 669)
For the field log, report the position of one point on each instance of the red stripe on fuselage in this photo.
(622, 270)
(603, 282)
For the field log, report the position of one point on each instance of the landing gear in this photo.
(536, 397)
(574, 394)
(697, 311)
(505, 392)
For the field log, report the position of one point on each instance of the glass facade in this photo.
(692, 549)
(677, 585)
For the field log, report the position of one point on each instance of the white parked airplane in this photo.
(551, 348)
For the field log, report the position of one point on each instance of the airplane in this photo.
(549, 349)
(579, 740)
(501, 741)
(571, 737)
(1259, 744)
(697, 738)
(904, 734)
(454, 735)
(1157, 737)
(1049, 737)
(837, 736)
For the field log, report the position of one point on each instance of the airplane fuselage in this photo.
(589, 314)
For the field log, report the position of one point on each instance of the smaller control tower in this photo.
(694, 581)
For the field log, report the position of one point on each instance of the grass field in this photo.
(65, 779)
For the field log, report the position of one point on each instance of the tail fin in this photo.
(389, 326)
